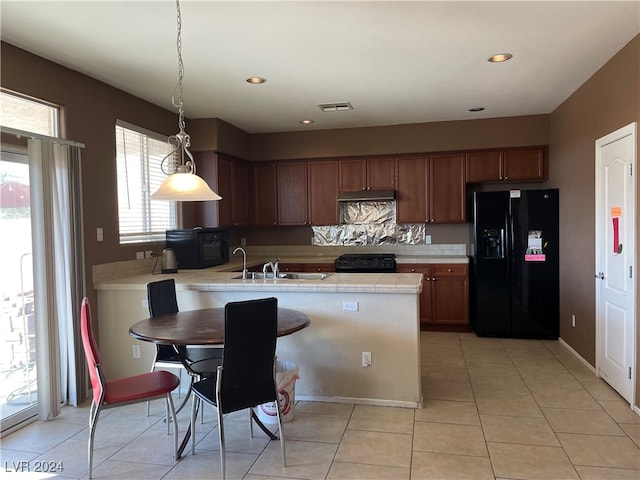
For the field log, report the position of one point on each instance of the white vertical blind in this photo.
(139, 154)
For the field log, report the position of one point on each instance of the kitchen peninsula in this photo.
(350, 314)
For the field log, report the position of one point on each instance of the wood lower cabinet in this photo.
(319, 267)
(444, 301)
(507, 165)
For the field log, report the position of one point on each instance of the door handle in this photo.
(600, 275)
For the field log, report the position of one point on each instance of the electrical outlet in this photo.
(139, 255)
(573, 320)
(136, 351)
(99, 234)
(148, 254)
(243, 241)
(366, 359)
(427, 239)
(145, 304)
(349, 306)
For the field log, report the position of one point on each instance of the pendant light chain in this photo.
(180, 103)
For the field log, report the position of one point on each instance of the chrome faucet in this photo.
(244, 261)
(273, 265)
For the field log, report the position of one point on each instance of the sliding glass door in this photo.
(18, 370)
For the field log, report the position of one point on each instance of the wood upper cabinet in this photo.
(323, 192)
(372, 173)
(512, 164)
(525, 164)
(265, 193)
(411, 196)
(431, 189)
(444, 301)
(215, 169)
(240, 192)
(447, 188)
(292, 193)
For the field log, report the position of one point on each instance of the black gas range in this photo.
(366, 263)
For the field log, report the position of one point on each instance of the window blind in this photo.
(139, 154)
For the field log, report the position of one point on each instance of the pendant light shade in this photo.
(185, 187)
(182, 184)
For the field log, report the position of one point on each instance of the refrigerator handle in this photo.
(508, 225)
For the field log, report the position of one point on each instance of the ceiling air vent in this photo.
(335, 107)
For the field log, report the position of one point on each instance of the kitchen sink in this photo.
(284, 276)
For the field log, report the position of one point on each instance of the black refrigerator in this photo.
(514, 284)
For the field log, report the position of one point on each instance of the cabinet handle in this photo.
(449, 270)
(413, 270)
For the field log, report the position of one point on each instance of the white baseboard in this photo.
(578, 356)
(360, 401)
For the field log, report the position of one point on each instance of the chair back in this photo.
(250, 335)
(161, 298)
(91, 351)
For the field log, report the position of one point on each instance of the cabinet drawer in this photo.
(449, 269)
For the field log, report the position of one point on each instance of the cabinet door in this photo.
(425, 296)
(484, 166)
(323, 192)
(225, 190)
(240, 193)
(319, 267)
(411, 197)
(524, 164)
(265, 193)
(353, 174)
(292, 193)
(450, 288)
(216, 171)
(446, 188)
(381, 173)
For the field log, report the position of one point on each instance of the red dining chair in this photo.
(114, 393)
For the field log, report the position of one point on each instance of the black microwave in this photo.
(198, 247)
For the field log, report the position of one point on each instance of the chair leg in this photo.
(251, 422)
(94, 413)
(223, 466)
(194, 413)
(281, 432)
(174, 418)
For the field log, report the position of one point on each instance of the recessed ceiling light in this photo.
(476, 109)
(500, 57)
(256, 80)
(306, 122)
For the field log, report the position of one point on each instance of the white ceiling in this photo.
(397, 62)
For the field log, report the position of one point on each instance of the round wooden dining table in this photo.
(204, 326)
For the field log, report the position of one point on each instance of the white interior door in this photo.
(615, 259)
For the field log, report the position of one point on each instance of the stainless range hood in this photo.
(366, 195)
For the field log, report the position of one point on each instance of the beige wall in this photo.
(607, 101)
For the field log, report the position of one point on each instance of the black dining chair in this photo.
(162, 300)
(246, 377)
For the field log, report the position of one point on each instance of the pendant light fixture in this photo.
(182, 184)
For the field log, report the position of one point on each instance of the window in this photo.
(29, 115)
(139, 154)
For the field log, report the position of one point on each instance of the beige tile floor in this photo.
(494, 409)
